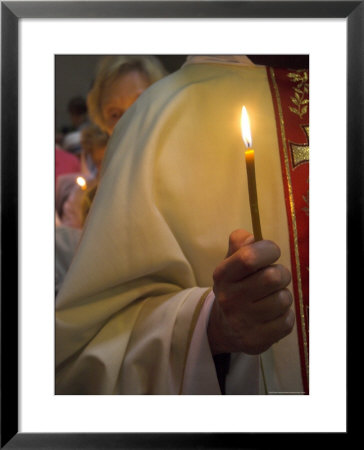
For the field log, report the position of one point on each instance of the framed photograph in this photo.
(33, 34)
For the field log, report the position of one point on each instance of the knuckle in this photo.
(223, 301)
(285, 299)
(277, 276)
(240, 236)
(228, 302)
(234, 237)
(272, 276)
(286, 275)
(289, 321)
(217, 275)
(276, 249)
(248, 259)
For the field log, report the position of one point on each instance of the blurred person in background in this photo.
(65, 163)
(77, 109)
(94, 142)
(119, 81)
(69, 221)
(70, 191)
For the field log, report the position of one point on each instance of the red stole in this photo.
(290, 93)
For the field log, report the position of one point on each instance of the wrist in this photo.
(215, 330)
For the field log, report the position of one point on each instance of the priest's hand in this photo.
(252, 307)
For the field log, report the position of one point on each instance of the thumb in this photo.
(238, 239)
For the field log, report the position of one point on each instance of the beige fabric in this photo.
(173, 188)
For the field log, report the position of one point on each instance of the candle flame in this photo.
(81, 182)
(245, 128)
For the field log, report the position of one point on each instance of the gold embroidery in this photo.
(293, 216)
(300, 90)
(300, 152)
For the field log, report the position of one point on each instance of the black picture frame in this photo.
(11, 12)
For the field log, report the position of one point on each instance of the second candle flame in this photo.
(81, 182)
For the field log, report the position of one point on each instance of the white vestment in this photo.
(173, 187)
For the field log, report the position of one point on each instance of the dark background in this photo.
(173, 62)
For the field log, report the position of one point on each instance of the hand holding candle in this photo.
(250, 168)
(252, 307)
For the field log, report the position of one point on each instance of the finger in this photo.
(266, 281)
(246, 261)
(277, 329)
(255, 288)
(272, 306)
(238, 239)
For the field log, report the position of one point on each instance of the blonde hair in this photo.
(110, 68)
